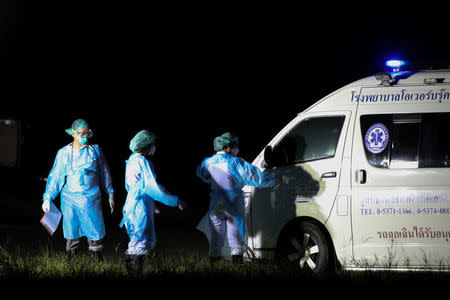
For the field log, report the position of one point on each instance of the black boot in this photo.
(237, 259)
(128, 264)
(98, 255)
(215, 259)
(135, 264)
(71, 254)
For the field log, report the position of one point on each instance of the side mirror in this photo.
(268, 157)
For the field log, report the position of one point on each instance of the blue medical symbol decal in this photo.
(377, 138)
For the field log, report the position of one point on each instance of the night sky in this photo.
(189, 73)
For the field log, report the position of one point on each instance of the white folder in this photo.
(51, 218)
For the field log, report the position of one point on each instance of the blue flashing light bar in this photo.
(395, 63)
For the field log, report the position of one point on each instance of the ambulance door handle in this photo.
(362, 176)
(329, 175)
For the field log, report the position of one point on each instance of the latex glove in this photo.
(181, 204)
(111, 202)
(157, 210)
(46, 206)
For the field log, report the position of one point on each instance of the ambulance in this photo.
(363, 178)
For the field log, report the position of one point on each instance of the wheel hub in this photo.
(304, 252)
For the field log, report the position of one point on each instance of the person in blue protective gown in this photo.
(139, 208)
(228, 174)
(79, 170)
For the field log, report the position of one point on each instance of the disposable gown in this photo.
(78, 175)
(227, 175)
(138, 211)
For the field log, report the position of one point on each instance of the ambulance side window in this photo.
(406, 140)
(376, 157)
(312, 139)
(435, 145)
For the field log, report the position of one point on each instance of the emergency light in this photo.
(395, 64)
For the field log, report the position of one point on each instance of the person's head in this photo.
(143, 142)
(227, 142)
(80, 131)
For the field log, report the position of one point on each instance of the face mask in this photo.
(83, 140)
(152, 150)
(235, 151)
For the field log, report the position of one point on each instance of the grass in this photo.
(191, 274)
(50, 264)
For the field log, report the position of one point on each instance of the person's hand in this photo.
(181, 204)
(111, 202)
(46, 206)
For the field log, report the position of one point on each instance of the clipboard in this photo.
(50, 220)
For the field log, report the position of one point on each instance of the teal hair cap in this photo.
(141, 140)
(76, 125)
(222, 141)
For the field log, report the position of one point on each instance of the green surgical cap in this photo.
(76, 125)
(222, 141)
(142, 139)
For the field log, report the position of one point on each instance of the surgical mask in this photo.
(83, 140)
(152, 150)
(235, 151)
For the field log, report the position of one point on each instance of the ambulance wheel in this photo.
(303, 246)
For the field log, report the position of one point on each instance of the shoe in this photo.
(135, 264)
(237, 259)
(215, 259)
(71, 254)
(98, 255)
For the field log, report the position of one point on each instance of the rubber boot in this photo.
(135, 264)
(71, 254)
(237, 259)
(98, 255)
(215, 259)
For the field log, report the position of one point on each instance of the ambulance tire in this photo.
(303, 247)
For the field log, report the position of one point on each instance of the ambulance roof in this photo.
(405, 78)
(413, 78)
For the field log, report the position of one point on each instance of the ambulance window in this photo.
(312, 139)
(435, 146)
(375, 131)
(405, 141)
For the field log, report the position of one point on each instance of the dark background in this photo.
(188, 73)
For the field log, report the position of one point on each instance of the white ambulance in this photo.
(363, 179)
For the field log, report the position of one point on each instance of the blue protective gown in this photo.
(227, 175)
(78, 175)
(138, 211)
